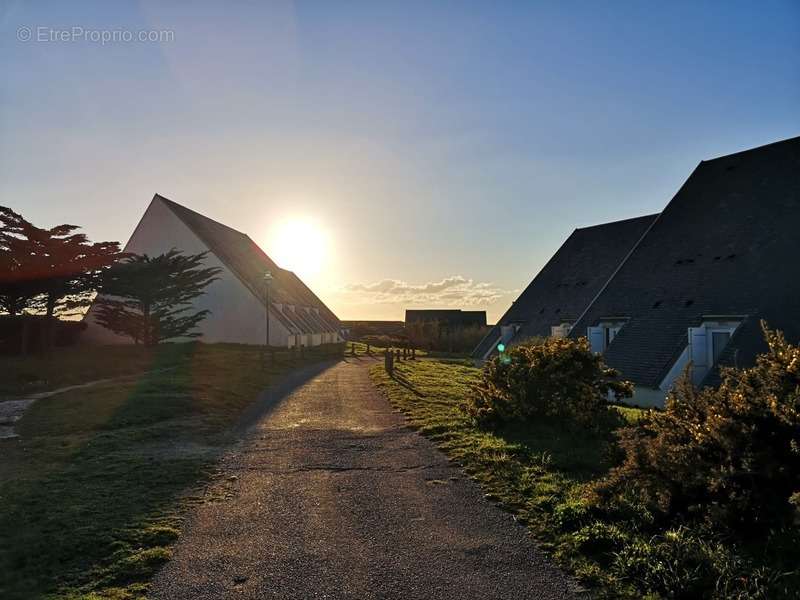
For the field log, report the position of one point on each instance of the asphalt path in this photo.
(329, 495)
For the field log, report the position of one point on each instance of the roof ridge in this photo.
(618, 268)
(617, 222)
(753, 149)
(172, 205)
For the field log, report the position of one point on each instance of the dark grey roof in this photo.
(249, 263)
(727, 244)
(570, 280)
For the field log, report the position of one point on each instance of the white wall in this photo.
(676, 370)
(647, 397)
(236, 314)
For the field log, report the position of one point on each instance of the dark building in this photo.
(566, 285)
(721, 257)
(690, 285)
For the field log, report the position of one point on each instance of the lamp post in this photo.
(267, 282)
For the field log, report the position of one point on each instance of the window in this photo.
(601, 336)
(708, 342)
(719, 339)
(610, 333)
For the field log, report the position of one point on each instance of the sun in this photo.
(299, 244)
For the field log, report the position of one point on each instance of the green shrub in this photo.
(727, 456)
(599, 538)
(694, 563)
(557, 377)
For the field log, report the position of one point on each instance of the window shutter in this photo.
(596, 338)
(699, 350)
(506, 333)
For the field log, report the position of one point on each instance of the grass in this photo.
(94, 491)
(538, 471)
(69, 366)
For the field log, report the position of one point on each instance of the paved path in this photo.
(330, 496)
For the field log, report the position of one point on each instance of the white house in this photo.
(237, 299)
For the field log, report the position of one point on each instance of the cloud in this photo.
(455, 290)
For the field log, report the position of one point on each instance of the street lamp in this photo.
(267, 281)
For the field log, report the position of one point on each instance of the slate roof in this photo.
(727, 244)
(569, 281)
(249, 263)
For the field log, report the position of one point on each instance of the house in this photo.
(447, 318)
(722, 256)
(567, 284)
(237, 299)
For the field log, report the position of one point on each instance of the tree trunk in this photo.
(48, 329)
(26, 327)
(146, 325)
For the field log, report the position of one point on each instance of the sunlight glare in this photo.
(299, 245)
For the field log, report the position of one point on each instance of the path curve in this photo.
(330, 496)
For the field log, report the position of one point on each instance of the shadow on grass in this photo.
(401, 379)
(91, 494)
(582, 453)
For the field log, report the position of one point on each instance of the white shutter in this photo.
(699, 349)
(596, 338)
(698, 353)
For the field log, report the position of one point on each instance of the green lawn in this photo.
(70, 366)
(94, 490)
(537, 470)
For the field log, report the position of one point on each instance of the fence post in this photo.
(413, 353)
(388, 361)
(352, 349)
(368, 350)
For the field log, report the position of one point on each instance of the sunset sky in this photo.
(394, 154)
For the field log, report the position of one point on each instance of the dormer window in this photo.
(601, 335)
(708, 341)
(507, 332)
(560, 331)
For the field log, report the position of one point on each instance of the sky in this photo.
(394, 154)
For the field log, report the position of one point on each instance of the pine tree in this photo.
(16, 286)
(150, 299)
(54, 271)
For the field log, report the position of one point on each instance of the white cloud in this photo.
(455, 290)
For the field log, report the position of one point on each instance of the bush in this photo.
(728, 456)
(557, 377)
(685, 563)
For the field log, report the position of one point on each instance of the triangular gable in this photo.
(249, 262)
